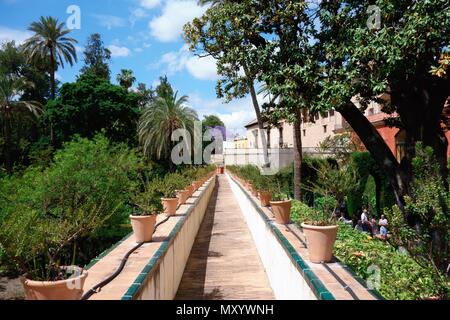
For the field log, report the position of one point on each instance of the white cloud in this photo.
(117, 51)
(149, 4)
(136, 15)
(199, 68)
(202, 68)
(109, 21)
(8, 34)
(169, 25)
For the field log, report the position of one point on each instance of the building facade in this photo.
(328, 125)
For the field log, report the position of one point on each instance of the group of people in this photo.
(365, 224)
(379, 230)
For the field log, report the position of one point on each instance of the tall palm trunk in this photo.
(298, 156)
(260, 122)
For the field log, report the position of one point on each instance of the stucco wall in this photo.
(285, 279)
(163, 280)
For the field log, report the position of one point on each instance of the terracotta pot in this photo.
(282, 211)
(143, 227)
(265, 197)
(320, 242)
(170, 206)
(70, 289)
(183, 195)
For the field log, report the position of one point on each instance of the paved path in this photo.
(224, 263)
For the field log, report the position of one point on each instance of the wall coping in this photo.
(155, 259)
(313, 280)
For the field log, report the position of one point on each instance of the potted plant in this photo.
(143, 220)
(182, 186)
(320, 227)
(41, 247)
(320, 230)
(281, 207)
(263, 185)
(169, 198)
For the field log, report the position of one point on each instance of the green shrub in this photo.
(365, 166)
(400, 276)
(85, 176)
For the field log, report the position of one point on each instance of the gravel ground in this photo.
(11, 289)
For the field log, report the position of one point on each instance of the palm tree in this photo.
(162, 117)
(126, 78)
(10, 88)
(51, 44)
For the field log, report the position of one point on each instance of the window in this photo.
(325, 129)
(304, 132)
(316, 116)
(331, 113)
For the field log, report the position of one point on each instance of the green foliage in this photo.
(364, 165)
(341, 146)
(147, 202)
(13, 61)
(425, 231)
(91, 105)
(126, 78)
(51, 46)
(177, 180)
(164, 188)
(401, 278)
(96, 58)
(334, 182)
(79, 200)
(160, 119)
(320, 216)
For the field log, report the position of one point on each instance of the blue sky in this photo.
(143, 35)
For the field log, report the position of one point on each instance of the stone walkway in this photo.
(224, 263)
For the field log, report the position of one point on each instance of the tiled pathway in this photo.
(224, 263)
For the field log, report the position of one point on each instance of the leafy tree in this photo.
(389, 63)
(324, 56)
(50, 44)
(10, 87)
(222, 33)
(341, 146)
(428, 242)
(146, 95)
(90, 105)
(164, 89)
(13, 61)
(87, 187)
(262, 41)
(160, 119)
(126, 78)
(96, 57)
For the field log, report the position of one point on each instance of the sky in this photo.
(144, 36)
